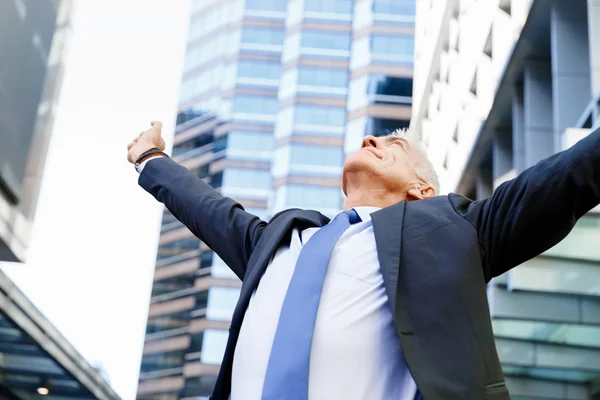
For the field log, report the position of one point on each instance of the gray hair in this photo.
(424, 170)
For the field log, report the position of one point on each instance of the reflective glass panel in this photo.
(313, 197)
(390, 86)
(397, 7)
(249, 145)
(329, 6)
(255, 105)
(259, 69)
(326, 40)
(247, 178)
(393, 44)
(213, 346)
(220, 269)
(582, 243)
(259, 35)
(307, 154)
(266, 5)
(317, 76)
(555, 374)
(221, 303)
(568, 334)
(320, 115)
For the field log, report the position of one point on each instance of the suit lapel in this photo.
(266, 248)
(387, 226)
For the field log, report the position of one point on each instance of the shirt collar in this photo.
(365, 212)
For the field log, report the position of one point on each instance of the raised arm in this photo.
(218, 221)
(536, 210)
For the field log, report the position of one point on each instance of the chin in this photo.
(360, 161)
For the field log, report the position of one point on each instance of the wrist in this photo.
(151, 153)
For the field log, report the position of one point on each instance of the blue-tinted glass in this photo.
(313, 196)
(247, 178)
(250, 141)
(398, 7)
(394, 45)
(329, 6)
(317, 155)
(326, 40)
(317, 76)
(259, 69)
(213, 346)
(221, 303)
(255, 105)
(390, 86)
(256, 35)
(266, 5)
(320, 115)
(383, 126)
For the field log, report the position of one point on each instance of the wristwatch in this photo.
(145, 155)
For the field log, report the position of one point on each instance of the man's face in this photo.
(390, 160)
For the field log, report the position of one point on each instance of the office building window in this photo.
(390, 86)
(390, 44)
(396, 7)
(329, 6)
(213, 346)
(255, 105)
(313, 197)
(221, 303)
(317, 76)
(326, 40)
(320, 115)
(258, 35)
(308, 159)
(266, 5)
(308, 154)
(259, 69)
(247, 178)
(250, 141)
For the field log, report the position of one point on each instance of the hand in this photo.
(147, 140)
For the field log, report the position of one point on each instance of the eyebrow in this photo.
(392, 139)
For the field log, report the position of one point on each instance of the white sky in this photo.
(94, 241)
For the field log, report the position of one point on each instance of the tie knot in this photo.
(352, 216)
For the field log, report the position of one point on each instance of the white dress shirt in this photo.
(355, 352)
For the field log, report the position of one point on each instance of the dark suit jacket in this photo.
(436, 257)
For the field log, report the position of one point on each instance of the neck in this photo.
(380, 198)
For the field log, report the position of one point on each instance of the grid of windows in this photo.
(329, 6)
(247, 178)
(326, 40)
(318, 76)
(393, 44)
(260, 35)
(255, 105)
(259, 69)
(396, 7)
(320, 115)
(313, 197)
(266, 5)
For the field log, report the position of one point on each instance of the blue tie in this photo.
(287, 370)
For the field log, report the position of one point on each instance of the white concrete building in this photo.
(498, 86)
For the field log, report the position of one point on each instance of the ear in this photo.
(420, 192)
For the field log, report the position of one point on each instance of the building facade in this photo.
(500, 85)
(274, 94)
(34, 37)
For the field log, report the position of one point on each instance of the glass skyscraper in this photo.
(274, 94)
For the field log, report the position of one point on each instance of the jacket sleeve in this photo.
(218, 221)
(531, 213)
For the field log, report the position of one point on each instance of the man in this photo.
(398, 279)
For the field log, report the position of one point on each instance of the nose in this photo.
(369, 141)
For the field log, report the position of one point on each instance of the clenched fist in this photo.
(147, 140)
